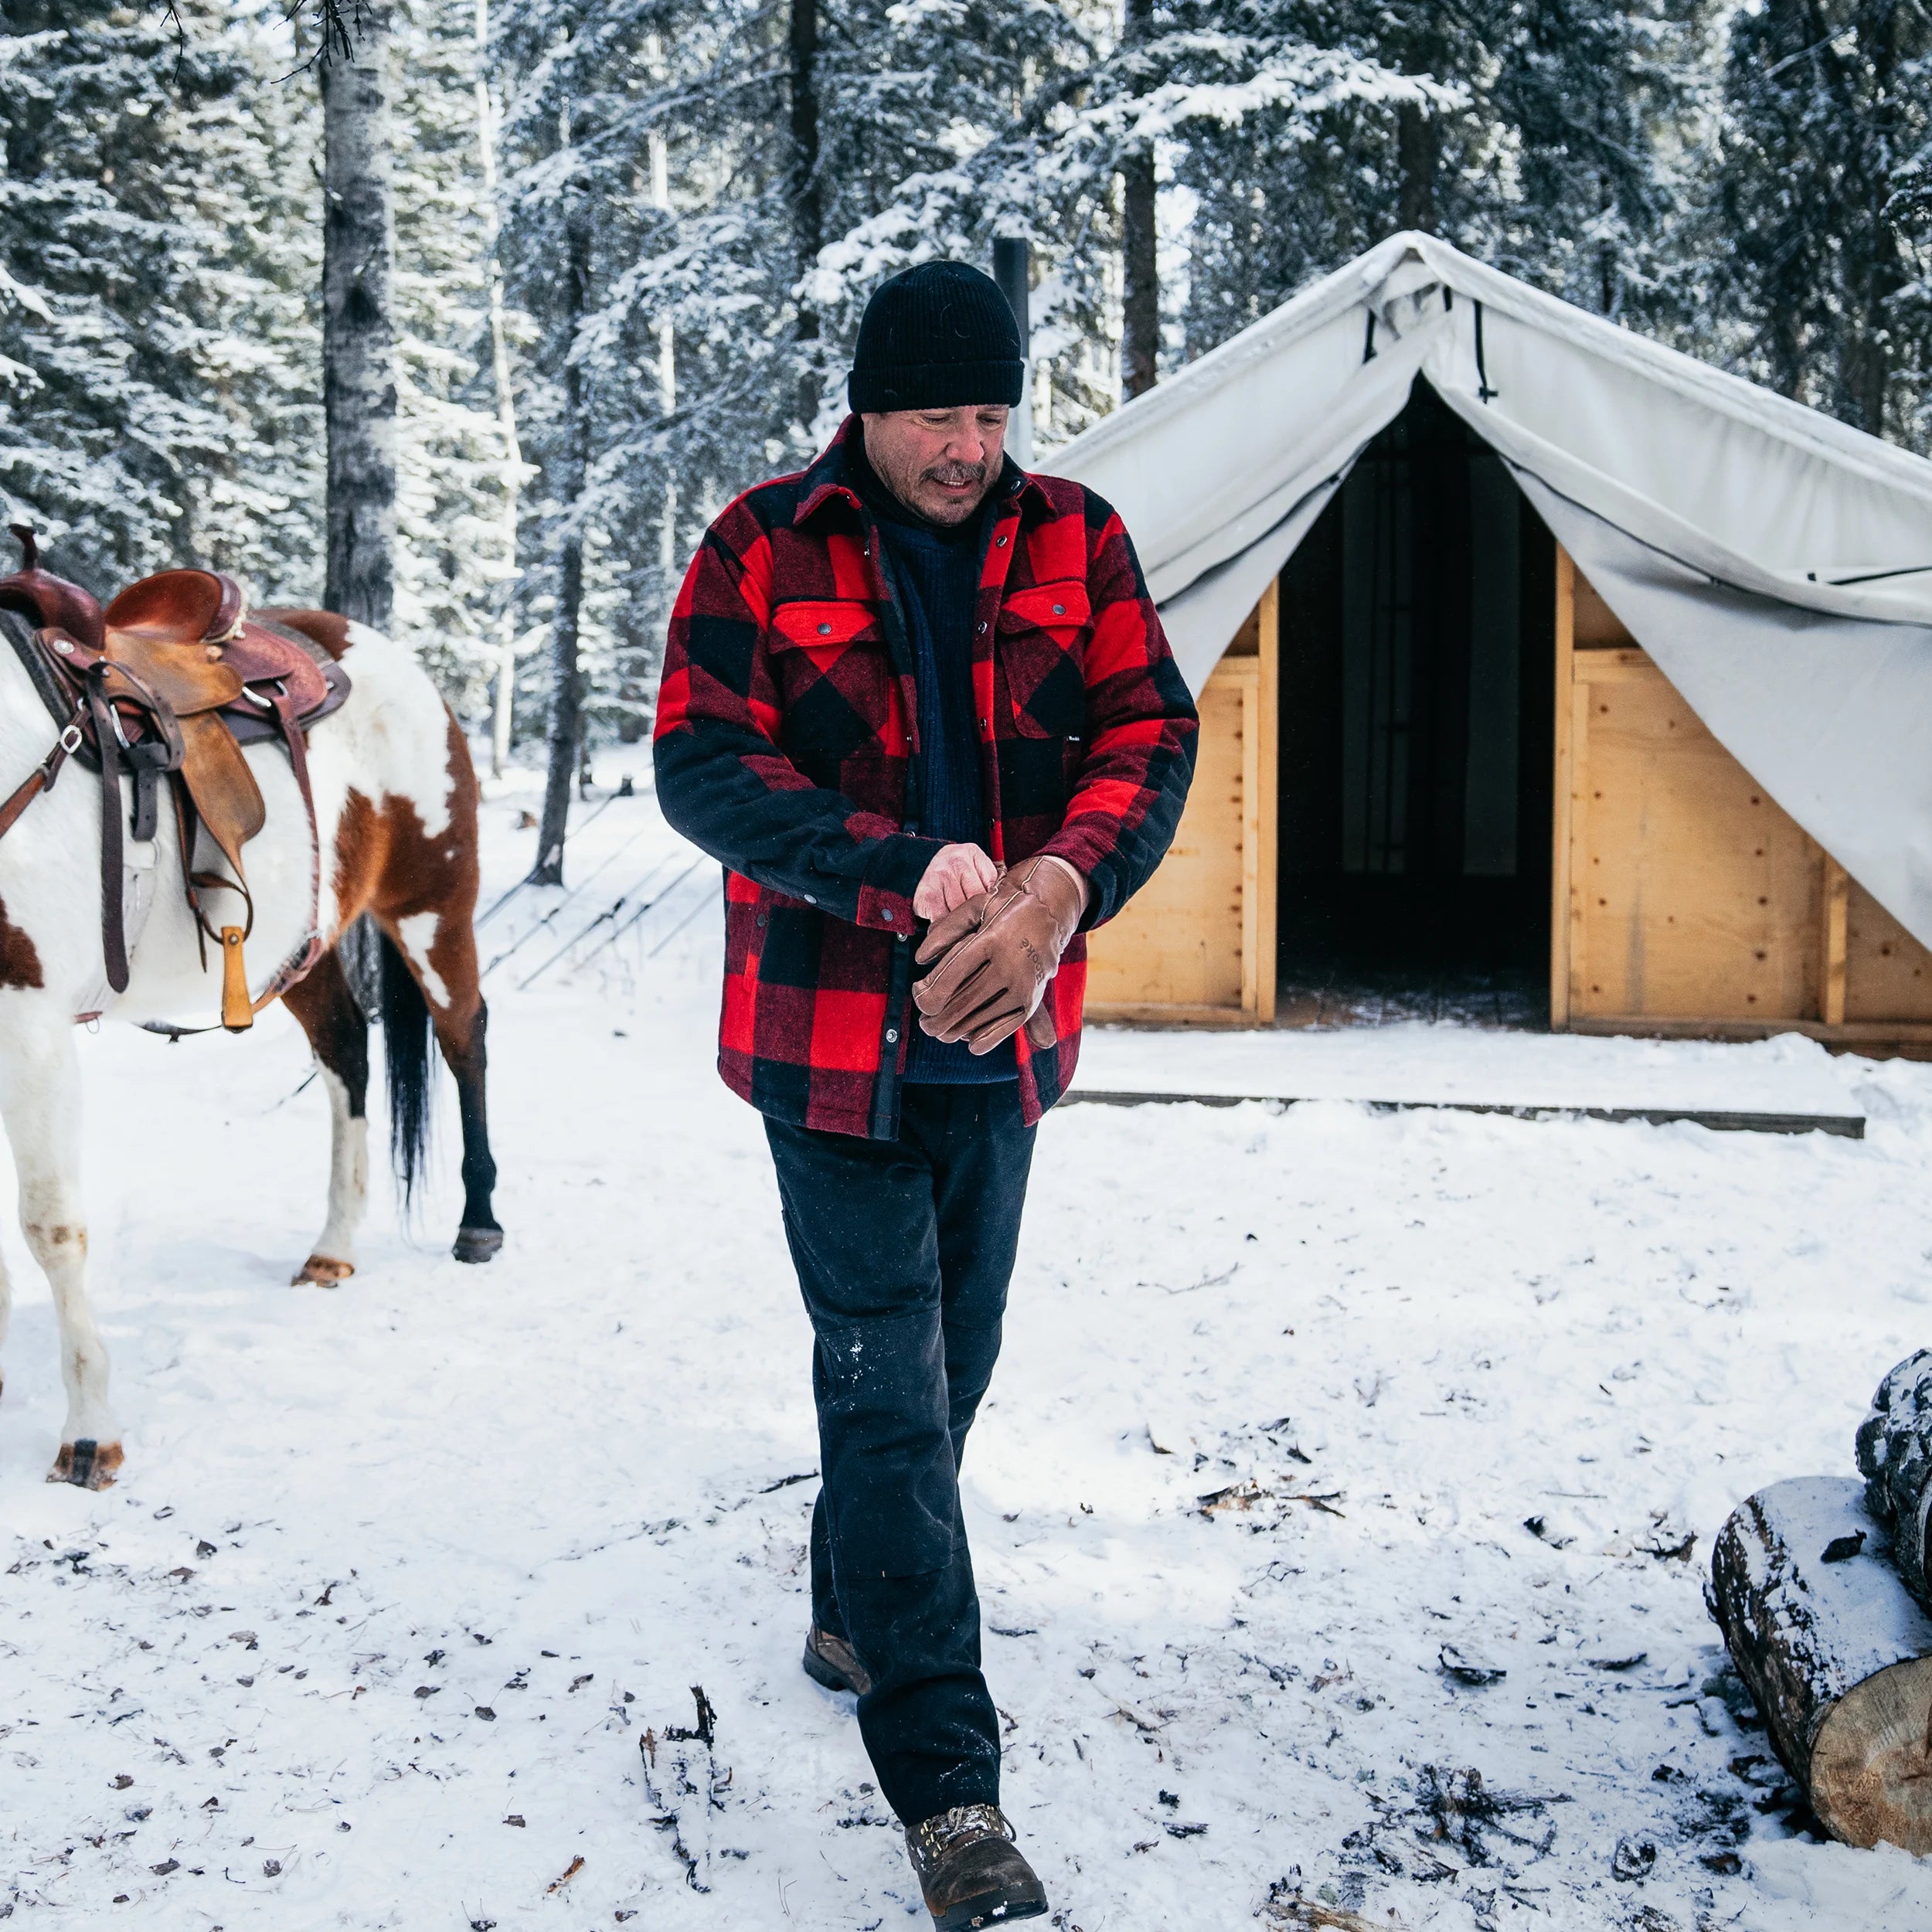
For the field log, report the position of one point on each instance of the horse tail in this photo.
(408, 1066)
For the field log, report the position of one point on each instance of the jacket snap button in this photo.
(1059, 609)
(982, 628)
(824, 630)
(810, 900)
(1000, 542)
(892, 1035)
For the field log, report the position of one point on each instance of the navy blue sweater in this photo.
(935, 572)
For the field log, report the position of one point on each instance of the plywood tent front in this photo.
(1739, 812)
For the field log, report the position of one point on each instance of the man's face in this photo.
(939, 462)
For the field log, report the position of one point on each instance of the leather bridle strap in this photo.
(114, 936)
(41, 776)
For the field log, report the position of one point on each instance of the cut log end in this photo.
(1871, 1765)
(1836, 1653)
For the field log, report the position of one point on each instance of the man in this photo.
(915, 687)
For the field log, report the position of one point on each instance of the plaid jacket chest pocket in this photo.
(1043, 639)
(830, 664)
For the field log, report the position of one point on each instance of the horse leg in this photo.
(440, 954)
(338, 1035)
(479, 1236)
(40, 1101)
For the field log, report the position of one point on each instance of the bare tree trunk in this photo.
(567, 692)
(359, 361)
(1867, 364)
(807, 212)
(505, 395)
(1418, 155)
(1140, 257)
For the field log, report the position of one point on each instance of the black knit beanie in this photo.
(935, 337)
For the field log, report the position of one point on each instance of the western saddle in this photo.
(170, 682)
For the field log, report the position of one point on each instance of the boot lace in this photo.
(945, 1831)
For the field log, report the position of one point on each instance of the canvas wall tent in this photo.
(1513, 630)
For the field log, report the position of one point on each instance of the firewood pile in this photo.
(1820, 1585)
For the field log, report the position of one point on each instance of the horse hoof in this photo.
(87, 1465)
(321, 1271)
(477, 1244)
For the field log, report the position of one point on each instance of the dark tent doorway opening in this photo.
(1417, 728)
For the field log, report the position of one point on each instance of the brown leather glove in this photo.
(996, 953)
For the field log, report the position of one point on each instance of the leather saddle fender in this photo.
(170, 630)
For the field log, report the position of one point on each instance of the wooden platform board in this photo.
(1850, 1126)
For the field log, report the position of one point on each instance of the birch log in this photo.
(359, 347)
(1836, 1653)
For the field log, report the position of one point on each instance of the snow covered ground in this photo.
(399, 1576)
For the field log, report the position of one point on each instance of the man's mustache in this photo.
(955, 475)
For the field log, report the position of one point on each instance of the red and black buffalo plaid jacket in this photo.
(788, 747)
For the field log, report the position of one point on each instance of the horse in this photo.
(394, 837)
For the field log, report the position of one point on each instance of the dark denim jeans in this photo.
(904, 1249)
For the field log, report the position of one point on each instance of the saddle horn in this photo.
(52, 602)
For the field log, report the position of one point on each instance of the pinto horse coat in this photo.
(396, 800)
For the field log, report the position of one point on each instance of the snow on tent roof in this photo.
(1776, 564)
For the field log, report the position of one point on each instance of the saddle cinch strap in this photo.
(169, 682)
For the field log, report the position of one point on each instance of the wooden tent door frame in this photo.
(1138, 972)
(1562, 912)
(1261, 814)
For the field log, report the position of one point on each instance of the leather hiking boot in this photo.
(971, 1871)
(831, 1661)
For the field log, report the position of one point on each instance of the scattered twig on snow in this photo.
(570, 1871)
(1461, 1809)
(1246, 1493)
(1286, 1906)
(1206, 1281)
(687, 1784)
(705, 1733)
(1468, 1670)
(1667, 1543)
(785, 1482)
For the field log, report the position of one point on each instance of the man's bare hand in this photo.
(957, 874)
